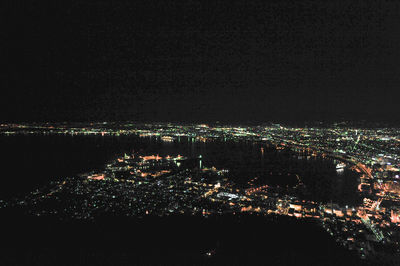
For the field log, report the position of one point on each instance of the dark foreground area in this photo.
(177, 240)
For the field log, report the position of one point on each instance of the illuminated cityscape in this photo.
(138, 184)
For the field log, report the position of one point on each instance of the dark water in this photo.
(29, 162)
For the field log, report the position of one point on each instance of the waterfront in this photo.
(330, 177)
(34, 160)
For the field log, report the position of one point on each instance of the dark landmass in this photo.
(236, 240)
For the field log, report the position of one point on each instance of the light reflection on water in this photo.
(43, 158)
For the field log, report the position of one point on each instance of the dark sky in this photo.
(200, 60)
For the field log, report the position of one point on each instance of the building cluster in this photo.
(137, 185)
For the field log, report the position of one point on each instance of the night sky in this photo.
(200, 60)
